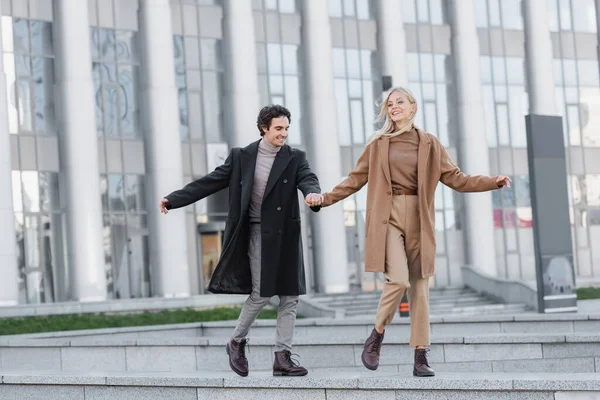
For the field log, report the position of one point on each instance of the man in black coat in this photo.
(262, 244)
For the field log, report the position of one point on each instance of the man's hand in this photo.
(502, 181)
(163, 206)
(314, 199)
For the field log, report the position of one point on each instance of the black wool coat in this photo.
(282, 262)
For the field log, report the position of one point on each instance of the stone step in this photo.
(433, 292)
(450, 309)
(564, 353)
(432, 301)
(331, 385)
(441, 326)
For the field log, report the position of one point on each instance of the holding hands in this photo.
(314, 199)
(502, 181)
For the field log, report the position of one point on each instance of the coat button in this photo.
(279, 232)
(385, 221)
(389, 193)
(278, 208)
(241, 182)
(285, 181)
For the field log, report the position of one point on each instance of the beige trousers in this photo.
(403, 272)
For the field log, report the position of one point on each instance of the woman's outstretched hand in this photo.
(502, 181)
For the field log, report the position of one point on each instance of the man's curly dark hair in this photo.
(266, 115)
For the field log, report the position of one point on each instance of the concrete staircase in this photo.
(447, 301)
(522, 356)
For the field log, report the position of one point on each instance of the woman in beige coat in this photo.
(403, 166)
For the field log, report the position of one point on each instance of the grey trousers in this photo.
(286, 313)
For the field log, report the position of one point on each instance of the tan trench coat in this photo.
(434, 165)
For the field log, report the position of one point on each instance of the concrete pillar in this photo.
(538, 57)
(79, 150)
(473, 143)
(9, 286)
(164, 167)
(329, 237)
(391, 41)
(242, 100)
(598, 31)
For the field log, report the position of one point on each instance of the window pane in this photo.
(494, 12)
(127, 46)
(184, 129)
(365, 59)
(353, 58)
(409, 11)
(423, 11)
(502, 118)
(573, 125)
(369, 106)
(211, 54)
(481, 13)
(565, 15)
(427, 68)
(129, 114)
(31, 191)
(49, 191)
(276, 84)
(436, 11)
(25, 106)
(192, 52)
(349, 10)
(274, 58)
(584, 13)
(290, 59)
(356, 113)
(362, 11)
(195, 115)
(178, 50)
(111, 111)
(287, 6)
(21, 36)
(41, 38)
(17, 194)
(43, 77)
(116, 192)
(335, 8)
(343, 116)
(339, 63)
(511, 14)
(107, 44)
(135, 196)
(213, 111)
(271, 4)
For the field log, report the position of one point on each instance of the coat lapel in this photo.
(384, 156)
(282, 159)
(248, 154)
(423, 157)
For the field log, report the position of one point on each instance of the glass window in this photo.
(573, 125)
(127, 46)
(339, 63)
(290, 59)
(21, 36)
(503, 127)
(565, 15)
(192, 52)
(287, 6)
(356, 114)
(115, 192)
(494, 12)
(127, 101)
(41, 38)
(588, 73)
(349, 9)
(210, 54)
(362, 9)
(584, 12)
(427, 67)
(423, 11)
(436, 10)
(335, 8)
(409, 11)
(343, 113)
(134, 192)
(353, 59)
(511, 14)
(274, 58)
(481, 13)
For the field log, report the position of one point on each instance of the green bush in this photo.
(71, 322)
(588, 293)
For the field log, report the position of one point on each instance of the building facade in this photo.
(111, 104)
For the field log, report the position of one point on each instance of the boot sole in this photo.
(424, 375)
(279, 373)
(367, 366)
(231, 365)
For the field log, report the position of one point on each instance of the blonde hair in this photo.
(389, 127)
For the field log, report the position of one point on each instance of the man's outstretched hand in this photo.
(163, 206)
(314, 199)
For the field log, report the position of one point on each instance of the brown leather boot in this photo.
(237, 357)
(371, 349)
(422, 367)
(285, 366)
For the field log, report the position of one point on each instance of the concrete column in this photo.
(329, 237)
(79, 150)
(242, 100)
(598, 30)
(473, 143)
(164, 167)
(9, 286)
(538, 57)
(391, 41)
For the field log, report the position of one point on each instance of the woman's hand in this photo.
(502, 181)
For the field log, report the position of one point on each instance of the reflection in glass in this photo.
(192, 52)
(17, 194)
(24, 105)
(49, 191)
(590, 116)
(184, 129)
(134, 192)
(31, 191)
(573, 124)
(115, 192)
(41, 38)
(127, 100)
(210, 54)
(43, 78)
(126, 43)
(195, 115)
(106, 44)
(21, 36)
(111, 110)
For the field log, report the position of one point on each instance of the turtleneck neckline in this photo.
(268, 147)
